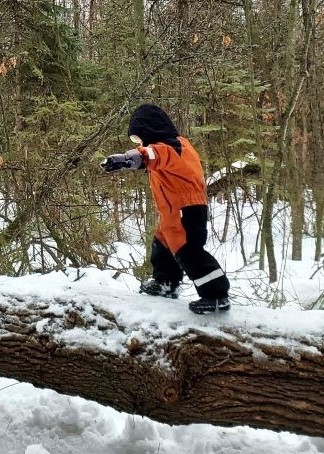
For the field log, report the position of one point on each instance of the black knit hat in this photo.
(152, 125)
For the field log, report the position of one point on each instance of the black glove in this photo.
(115, 162)
(132, 159)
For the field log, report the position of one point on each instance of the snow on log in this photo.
(220, 369)
(240, 174)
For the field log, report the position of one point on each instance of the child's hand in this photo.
(115, 162)
(132, 159)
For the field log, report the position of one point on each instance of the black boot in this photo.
(223, 304)
(156, 288)
(204, 305)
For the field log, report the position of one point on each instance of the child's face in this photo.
(136, 139)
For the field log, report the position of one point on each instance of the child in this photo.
(179, 191)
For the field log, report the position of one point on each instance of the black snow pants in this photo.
(199, 265)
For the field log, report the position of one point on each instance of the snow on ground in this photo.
(41, 421)
(36, 421)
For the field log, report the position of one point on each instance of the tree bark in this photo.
(295, 187)
(139, 21)
(76, 17)
(316, 116)
(183, 67)
(233, 377)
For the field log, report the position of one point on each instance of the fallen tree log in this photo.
(221, 375)
(237, 178)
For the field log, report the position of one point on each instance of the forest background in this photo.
(242, 79)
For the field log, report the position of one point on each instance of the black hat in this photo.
(151, 124)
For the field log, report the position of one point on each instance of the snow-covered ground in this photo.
(40, 421)
(34, 421)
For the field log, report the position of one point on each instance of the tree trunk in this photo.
(183, 69)
(139, 22)
(92, 9)
(297, 222)
(18, 99)
(296, 196)
(233, 377)
(256, 107)
(295, 186)
(76, 18)
(294, 90)
(227, 219)
(316, 116)
(319, 223)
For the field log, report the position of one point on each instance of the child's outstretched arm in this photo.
(131, 159)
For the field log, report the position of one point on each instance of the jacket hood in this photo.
(152, 125)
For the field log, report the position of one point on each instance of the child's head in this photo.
(150, 124)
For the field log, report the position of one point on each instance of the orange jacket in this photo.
(177, 181)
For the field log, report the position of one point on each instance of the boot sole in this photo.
(172, 296)
(201, 311)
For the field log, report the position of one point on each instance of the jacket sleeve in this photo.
(157, 156)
